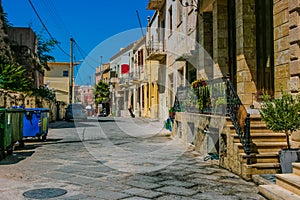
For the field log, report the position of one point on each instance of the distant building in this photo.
(98, 75)
(23, 42)
(58, 78)
(86, 95)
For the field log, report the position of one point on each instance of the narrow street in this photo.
(116, 158)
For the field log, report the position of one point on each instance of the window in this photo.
(65, 73)
(141, 59)
(180, 77)
(170, 20)
(179, 14)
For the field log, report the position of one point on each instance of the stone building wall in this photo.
(220, 38)
(281, 46)
(246, 50)
(294, 41)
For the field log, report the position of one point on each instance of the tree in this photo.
(101, 93)
(281, 115)
(44, 47)
(5, 51)
(12, 77)
(45, 93)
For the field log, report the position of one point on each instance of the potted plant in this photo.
(220, 105)
(283, 115)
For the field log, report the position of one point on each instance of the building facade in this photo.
(58, 79)
(23, 42)
(121, 64)
(255, 44)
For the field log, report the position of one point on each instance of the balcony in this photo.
(124, 81)
(134, 77)
(144, 77)
(155, 4)
(114, 80)
(156, 51)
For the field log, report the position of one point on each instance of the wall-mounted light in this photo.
(187, 4)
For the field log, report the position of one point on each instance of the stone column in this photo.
(220, 38)
(146, 100)
(156, 100)
(246, 48)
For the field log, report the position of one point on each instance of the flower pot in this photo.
(287, 157)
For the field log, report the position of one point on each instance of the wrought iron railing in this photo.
(217, 97)
(239, 117)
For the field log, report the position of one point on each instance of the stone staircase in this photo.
(264, 156)
(287, 186)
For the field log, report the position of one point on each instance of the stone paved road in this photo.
(117, 159)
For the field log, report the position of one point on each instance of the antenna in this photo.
(137, 13)
(140, 22)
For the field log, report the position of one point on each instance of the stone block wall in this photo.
(220, 38)
(203, 131)
(294, 42)
(9, 99)
(246, 48)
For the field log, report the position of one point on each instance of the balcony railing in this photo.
(124, 80)
(114, 80)
(156, 50)
(134, 76)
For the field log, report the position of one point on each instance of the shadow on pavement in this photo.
(19, 154)
(107, 120)
(71, 124)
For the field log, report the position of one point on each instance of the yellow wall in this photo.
(55, 80)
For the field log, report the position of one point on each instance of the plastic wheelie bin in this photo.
(11, 125)
(36, 121)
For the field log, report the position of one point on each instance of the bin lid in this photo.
(38, 109)
(15, 110)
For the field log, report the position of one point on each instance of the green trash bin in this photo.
(11, 125)
(17, 122)
(5, 132)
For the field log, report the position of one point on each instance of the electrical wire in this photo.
(51, 10)
(51, 36)
(58, 20)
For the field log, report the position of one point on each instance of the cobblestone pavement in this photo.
(81, 158)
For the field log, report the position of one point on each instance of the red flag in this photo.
(124, 68)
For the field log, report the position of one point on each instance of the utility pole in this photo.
(71, 72)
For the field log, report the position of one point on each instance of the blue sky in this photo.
(99, 27)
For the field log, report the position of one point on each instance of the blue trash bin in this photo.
(36, 121)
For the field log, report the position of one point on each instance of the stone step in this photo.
(296, 168)
(252, 131)
(289, 182)
(263, 147)
(253, 128)
(269, 157)
(229, 123)
(263, 168)
(263, 137)
(275, 192)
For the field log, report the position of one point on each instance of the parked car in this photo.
(75, 111)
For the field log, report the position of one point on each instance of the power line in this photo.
(35, 11)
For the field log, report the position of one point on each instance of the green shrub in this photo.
(281, 115)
